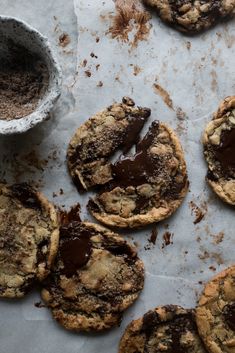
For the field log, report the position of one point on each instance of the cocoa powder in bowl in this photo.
(24, 79)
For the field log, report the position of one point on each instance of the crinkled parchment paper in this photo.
(182, 79)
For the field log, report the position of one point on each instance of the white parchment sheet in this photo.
(197, 72)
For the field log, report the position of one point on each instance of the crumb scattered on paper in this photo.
(153, 236)
(164, 95)
(64, 40)
(136, 70)
(205, 255)
(167, 239)
(198, 212)
(218, 238)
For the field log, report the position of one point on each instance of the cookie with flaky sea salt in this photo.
(192, 16)
(147, 186)
(29, 236)
(116, 127)
(169, 329)
(219, 151)
(96, 277)
(215, 314)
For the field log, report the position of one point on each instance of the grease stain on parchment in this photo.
(130, 18)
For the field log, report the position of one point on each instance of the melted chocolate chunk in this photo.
(229, 315)
(25, 194)
(136, 170)
(119, 249)
(76, 247)
(175, 188)
(225, 153)
(150, 321)
(178, 327)
(72, 215)
(211, 176)
(136, 124)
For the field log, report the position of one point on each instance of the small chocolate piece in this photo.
(229, 315)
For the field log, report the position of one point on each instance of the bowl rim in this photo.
(40, 114)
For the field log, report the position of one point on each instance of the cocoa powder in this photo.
(23, 81)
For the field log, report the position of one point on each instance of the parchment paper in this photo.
(196, 73)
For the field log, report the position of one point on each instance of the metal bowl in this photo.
(24, 35)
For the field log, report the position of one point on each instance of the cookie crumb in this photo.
(188, 45)
(137, 70)
(88, 73)
(100, 84)
(84, 63)
(164, 94)
(93, 55)
(153, 236)
(218, 238)
(39, 305)
(168, 239)
(197, 211)
(180, 114)
(64, 40)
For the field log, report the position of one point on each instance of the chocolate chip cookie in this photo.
(192, 16)
(116, 127)
(219, 151)
(96, 276)
(29, 236)
(215, 314)
(169, 329)
(147, 186)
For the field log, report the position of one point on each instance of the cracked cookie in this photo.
(219, 151)
(146, 187)
(169, 329)
(29, 235)
(96, 277)
(116, 127)
(215, 314)
(192, 16)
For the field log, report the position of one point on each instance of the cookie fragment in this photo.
(96, 277)
(146, 187)
(29, 235)
(192, 16)
(169, 329)
(219, 151)
(215, 314)
(116, 127)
